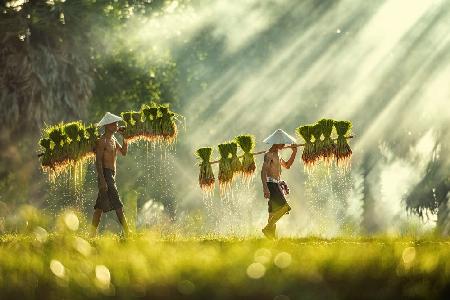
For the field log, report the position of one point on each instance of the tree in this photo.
(52, 61)
(431, 194)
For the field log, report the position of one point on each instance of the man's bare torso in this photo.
(274, 167)
(109, 153)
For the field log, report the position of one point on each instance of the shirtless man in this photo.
(106, 150)
(273, 187)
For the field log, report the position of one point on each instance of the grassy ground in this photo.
(67, 266)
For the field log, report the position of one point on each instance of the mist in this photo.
(280, 64)
(252, 67)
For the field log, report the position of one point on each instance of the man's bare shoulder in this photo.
(268, 157)
(100, 143)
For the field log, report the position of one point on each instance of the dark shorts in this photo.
(110, 199)
(276, 199)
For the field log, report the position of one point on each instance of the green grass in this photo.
(67, 266)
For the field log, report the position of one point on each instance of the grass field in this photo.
(66, 266)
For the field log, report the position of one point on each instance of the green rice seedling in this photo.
(343, 152)
(206, 177)
(316, 131)
(92, 133)
(225, 171)
(73, 146)
(308, 156)
(82, 133)
(92, 137)
(71, 129)
(247, 144)
(48, 156)
(65, 148)
(45, 143)
(156, 123)
(138, 125)
(236, 165)
(134, 127)
(168, 125)
(58, 162)
(128, 119)
(328, 146)
(86, 149)
(148, 123)
(56, 134)
(159, 122)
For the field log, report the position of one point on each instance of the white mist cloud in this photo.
(398, 175)
(376, 69)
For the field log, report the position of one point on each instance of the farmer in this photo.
(106, 150)
(274, 188)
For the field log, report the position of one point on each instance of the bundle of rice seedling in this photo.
(86, 146)
(225, 171)
(247, 144)
(156, 123)
(92, 134)
(206, 177)
(168, 125)
(58, 137)
(138, 126)
(69, 145)
(316, 131)
(59, 159)
(134, 127)
(342, 149)
(148, 123)
(64, 147)
(45, 143)
(73, 146)
(236, 165)
(92, 137)
(56, 134)
(128, 119)
(327, 143)
(308, 155)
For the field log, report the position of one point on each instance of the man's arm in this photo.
(124, 148)
(99, 152)
(264, 175)
(288, 164)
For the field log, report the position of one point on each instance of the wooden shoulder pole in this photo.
(291, 146)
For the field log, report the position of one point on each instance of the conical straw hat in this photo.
(108, 119)
(279, 137)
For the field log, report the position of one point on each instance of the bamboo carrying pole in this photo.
(291, 146)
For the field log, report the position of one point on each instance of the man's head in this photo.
(110, 122)
(112, 127)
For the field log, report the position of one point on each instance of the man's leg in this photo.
(95, 221)
(274, 217)
(122, 220)
(269, 230)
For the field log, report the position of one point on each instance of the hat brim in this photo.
(280, 137)
(109, 118)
